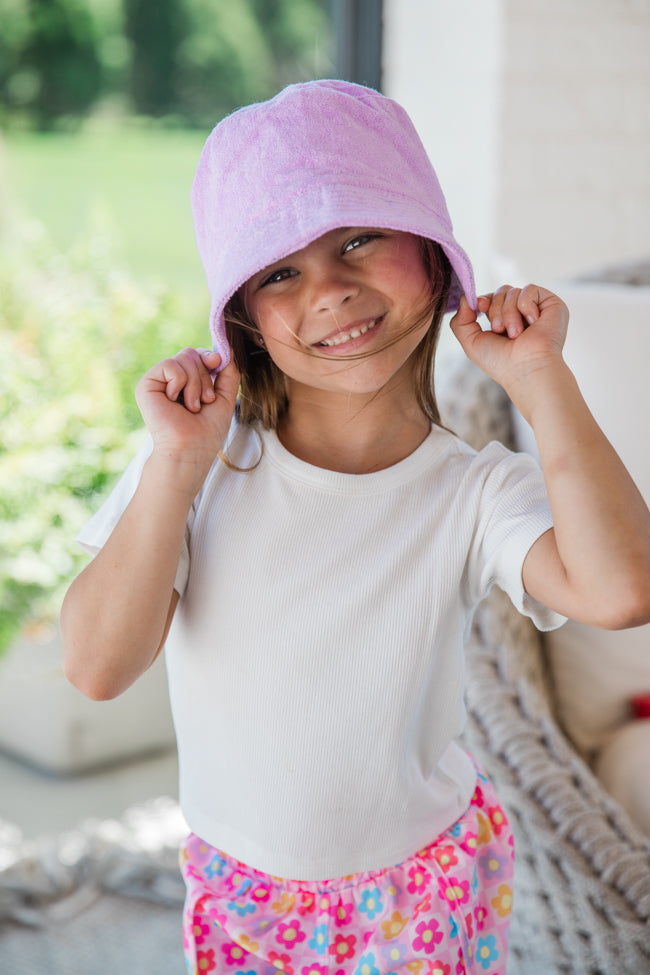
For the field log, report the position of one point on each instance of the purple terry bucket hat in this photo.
(274, 176)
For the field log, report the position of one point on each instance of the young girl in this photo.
(322, 551)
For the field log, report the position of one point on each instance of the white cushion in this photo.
(608, 348)
(622, 767)
(595, 673)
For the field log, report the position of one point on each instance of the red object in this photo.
(641, 705)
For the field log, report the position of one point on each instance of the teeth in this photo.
(348, 336)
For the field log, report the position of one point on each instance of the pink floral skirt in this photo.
(444, 911)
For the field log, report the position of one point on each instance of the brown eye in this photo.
(280, 275)
(359, 241)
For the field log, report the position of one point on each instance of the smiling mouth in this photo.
(342, 338)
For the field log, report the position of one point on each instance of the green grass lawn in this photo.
(131, 182)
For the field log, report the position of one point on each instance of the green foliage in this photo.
(54, 51)
(76, 333)
(193, 60)
(156, 31)
(234, 54)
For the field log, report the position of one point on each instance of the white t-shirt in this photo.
(316, 657)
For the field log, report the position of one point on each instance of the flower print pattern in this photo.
(371, 903)
(234, 953)
(393, 927)
(343, 947)
(290, 934)
(205, 961)
(200, 929)
(419, 879)
(484, 834)
(502, 903)
(480, 916)
(252, 947)
(260, 893)
(498, 819)
(454, 890)
(486, 951)
(478, 798)
(241, 908)
(285, 903)
(492, 864)
(307, 904)
(367, 966)
(444, 911)
(342, 913)
(320, 940)
(416, 967)
(394, 954)
(446, 857)
(428, 936)
(216, 866)
(469, 843)
(281, 962)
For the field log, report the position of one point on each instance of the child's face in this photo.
(349, 293)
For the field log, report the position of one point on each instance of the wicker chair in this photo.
(582, 876)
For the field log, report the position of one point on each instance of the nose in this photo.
(331, 287)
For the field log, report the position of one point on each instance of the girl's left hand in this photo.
(528, 330)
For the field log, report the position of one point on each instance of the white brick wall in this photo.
(573, 162)
(536, 114)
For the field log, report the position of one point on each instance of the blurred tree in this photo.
(60, 57)
(223, 62)
(192, 59)
(298, 35)
(233, 54)
(16, 85)
(156, 31)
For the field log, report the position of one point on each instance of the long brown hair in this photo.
(263, 389)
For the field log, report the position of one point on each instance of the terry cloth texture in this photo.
(276, 175)
(445, 909)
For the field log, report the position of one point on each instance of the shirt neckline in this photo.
(400, 473)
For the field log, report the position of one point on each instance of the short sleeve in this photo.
(96, 532)
(513, 513)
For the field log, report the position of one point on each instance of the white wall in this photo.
(574, 164)
(447, 78)
(536, 114)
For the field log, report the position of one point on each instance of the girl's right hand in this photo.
(187, 413)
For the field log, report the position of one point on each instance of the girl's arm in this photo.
(594, 565)
(116, 614)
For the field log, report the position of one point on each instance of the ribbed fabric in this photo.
(315, 661)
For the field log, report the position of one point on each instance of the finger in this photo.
(495, 309)
(464, 324)
(226, 383)
(513, 322)
(465, 315)
(173, 377)
(530, 301)
(198, 379)
(211, 360)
